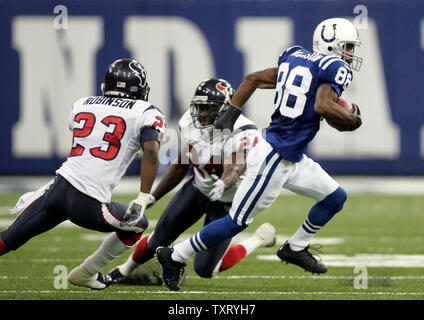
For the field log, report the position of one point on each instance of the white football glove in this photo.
(135, 210)
(217, 190)
(151, 201)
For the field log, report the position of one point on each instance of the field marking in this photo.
(25, 277)
(316, 277)
(369, 260)
(219, 292)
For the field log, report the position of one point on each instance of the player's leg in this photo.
(39, 217)
(206, 262)
(265, 175)
(221, 257)
(91, 214)
(210, 262)
(312, 181)
(185, 209)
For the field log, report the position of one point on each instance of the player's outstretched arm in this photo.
(327, 107)
(172, 177)
(264, 79)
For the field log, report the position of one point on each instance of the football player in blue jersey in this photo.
(307, 87)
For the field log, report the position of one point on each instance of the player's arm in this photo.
(233, 168)
(264, 79)
(175, 173)
(327, 107)
(149, 141)
(149, 165)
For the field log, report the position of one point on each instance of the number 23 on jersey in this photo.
(114, 129)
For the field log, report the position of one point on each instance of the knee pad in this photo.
(335, 200)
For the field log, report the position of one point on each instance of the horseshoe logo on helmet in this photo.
(334, 34)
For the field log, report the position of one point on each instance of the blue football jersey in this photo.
(294, 122)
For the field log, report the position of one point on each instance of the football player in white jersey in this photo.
(218, 163)
(108, 133)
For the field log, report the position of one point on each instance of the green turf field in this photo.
(384, 234)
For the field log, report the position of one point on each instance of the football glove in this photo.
(217, 190)
(356, 112)
(135, 210)
(228, 118)
(151, 201)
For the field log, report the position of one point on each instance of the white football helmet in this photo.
(333, 35)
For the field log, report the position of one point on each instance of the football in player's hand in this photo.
(345, 105)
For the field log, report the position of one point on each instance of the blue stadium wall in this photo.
(52, 53)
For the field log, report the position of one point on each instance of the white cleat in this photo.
(266, 234)
(82, 278)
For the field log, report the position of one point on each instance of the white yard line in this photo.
(356, 293)
(3, 277)
(368, 260)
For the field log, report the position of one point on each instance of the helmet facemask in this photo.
(205, 113)
(346, 50)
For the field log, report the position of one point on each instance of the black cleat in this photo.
(116, 275)
(105, 279)
(302, 258)
(172, 271)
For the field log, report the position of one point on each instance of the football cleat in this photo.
(82, 278)
(302, 258)
(115, 275)
(266, 234)
(173, 272)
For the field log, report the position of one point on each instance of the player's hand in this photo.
(135, 210)
(151, 201)
(228, 119)
(356, 112)
(217, 190)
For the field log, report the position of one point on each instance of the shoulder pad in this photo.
(290, 51)
(185, 120)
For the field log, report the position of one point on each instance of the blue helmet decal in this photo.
(334, 34)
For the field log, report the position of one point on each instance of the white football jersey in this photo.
(208, 152)
(106, 139)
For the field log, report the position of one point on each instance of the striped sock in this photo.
(303, 236)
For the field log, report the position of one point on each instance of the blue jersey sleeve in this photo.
(336, 73)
